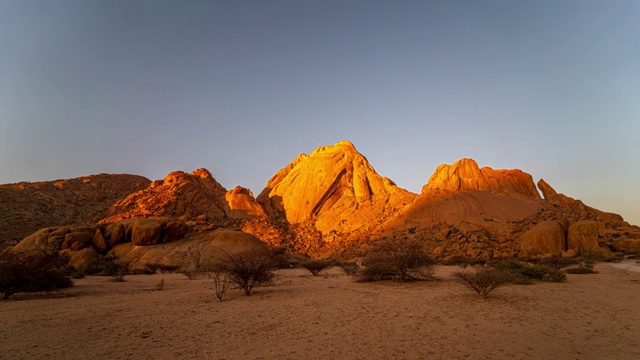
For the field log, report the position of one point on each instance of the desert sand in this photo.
(327, 317)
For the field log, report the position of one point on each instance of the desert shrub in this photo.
(585, 267)
(105, 266)
(349, 268)
(483, 281)
(221, 279)
(280, 259)
(163, 268)
(615, 258)
(395, 259)
(463, 262)
(557, 262)
(316, 266)
(247, 269)
(192, 274)
(523, 273)
(30, 272)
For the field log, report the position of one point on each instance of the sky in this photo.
(242, 87)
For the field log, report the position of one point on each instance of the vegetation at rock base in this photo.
(395, 259)
(316, 266)
(525, 273)
(31, 272)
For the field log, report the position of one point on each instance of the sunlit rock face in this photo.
(465, 174)
(191, 196)
(336, 188)
(242, 204)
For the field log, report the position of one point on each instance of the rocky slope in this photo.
(27, 207)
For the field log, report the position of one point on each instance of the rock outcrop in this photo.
(465, 174)
(195, 196)
(179, 194)
(242, 204)
(546, 238)
(583, 236)
(335, 188)
(27, 207)
(195, 248)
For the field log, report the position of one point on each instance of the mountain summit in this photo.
(334, 187)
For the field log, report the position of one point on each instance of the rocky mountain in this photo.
(335, 188)
(194, 196)
(329, 203)
(27, 207)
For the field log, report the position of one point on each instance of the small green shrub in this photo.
(557, 262)
(581, 269)
(523, 273)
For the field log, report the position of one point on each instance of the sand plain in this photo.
(327, 317)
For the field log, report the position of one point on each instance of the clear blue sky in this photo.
(242, 87)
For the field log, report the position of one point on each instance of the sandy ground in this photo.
(327, 317)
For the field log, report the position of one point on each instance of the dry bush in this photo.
(30, 272)
(316, 266)
(349, 268)
(247, 269)
(483, 281)
(221, 281)
(395, 259)
(164, 268)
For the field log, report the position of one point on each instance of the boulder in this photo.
(115, 234)
(83, 257)
(74, 237)
(206, 247)
(175, 229)
(147, 232)
(583, 236)
(99, 242)
(546, 237)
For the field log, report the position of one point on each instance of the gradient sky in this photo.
(242, 87)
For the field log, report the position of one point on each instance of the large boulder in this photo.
(546, 237)
(80, 258)
(197, 247)
(583, 236)
(147, 232)
(174, 229)
(115, 234)
(99, 242)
